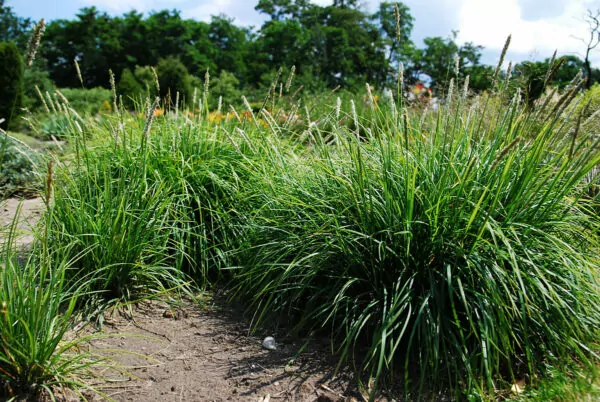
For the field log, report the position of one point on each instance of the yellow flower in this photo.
(158, 112)
(215, 117)
(105, 108)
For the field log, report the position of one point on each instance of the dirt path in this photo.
(207, 354)
(31, 210)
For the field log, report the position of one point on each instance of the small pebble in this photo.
(269, 343)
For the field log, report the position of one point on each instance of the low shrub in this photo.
(18, 167)
(87, 101)
(130, 89)
(36, 76)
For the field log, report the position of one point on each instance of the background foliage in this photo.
(340, 44)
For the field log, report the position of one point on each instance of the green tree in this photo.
(437, 61)
(134, 35)
(285, 42)
(129, 88)
(11, 83)
(12, 27)
(199, 53)
(279, 10)
(595, 76)
(531, 75)
(36, 75)
(230, 44)
(399, 49)
(570, 66)
(167, 34)
(480, 76)
(226, 86)
(92, 39)
(347, 48)
(173, 77)
(146, 79)
(336, 45)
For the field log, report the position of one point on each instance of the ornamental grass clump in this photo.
(452, 252)
(40, 356)
(148, 200)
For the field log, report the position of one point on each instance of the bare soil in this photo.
(30, 212)
(206, 353)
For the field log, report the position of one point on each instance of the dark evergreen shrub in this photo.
(11, 83)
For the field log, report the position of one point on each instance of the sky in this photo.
(538, 27)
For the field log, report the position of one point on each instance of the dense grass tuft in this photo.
(453, 252)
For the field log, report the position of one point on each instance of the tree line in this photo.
(336, 45)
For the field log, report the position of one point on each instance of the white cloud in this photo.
(241, 10)
(204, 11)
(531, 10)
(489, 22)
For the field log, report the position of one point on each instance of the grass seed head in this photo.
(398, 27)
(34, 42)
(41, 96)
(113, 88)
(150, 116)
(456, 64)
(50, 101)
(288, 84)
(49, 182)
(156, 83)
(62, 97)
(502, 56)
(450, 90)
(354, 114)
(401, 75)
(206, 85)
(79, 76)
(466, 87)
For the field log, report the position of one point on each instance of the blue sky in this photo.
(538, 27)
